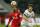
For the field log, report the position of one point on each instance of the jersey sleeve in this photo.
(20, 16)
(10, 18)
(25, 13)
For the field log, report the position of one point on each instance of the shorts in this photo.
(16, 25)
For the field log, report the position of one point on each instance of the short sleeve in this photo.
(25, 13)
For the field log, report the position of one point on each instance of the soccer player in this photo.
(16, 18)
(28, 14)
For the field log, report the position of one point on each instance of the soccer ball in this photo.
(13, 3)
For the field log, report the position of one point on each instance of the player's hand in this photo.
(7, 26)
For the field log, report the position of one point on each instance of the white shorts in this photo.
(26, 23)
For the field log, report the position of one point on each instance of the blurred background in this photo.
(6, 8)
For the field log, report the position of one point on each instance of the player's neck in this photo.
(14, 11)
(30, 11)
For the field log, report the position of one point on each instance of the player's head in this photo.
(14, 8)
(13, 3)
(30, 7)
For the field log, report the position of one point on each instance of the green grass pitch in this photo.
(21, 26)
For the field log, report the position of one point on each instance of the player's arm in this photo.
(9, 20)
(35, 20)
(25, 17)
(20, 16)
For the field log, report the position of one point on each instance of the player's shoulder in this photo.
(11, 13)
(18, 13)
(26, 10)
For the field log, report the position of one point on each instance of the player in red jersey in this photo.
(16, 18)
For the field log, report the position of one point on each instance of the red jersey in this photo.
(15, 17)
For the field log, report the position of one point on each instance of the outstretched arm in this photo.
(24, 17)
(9, 19)
(35, 21)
